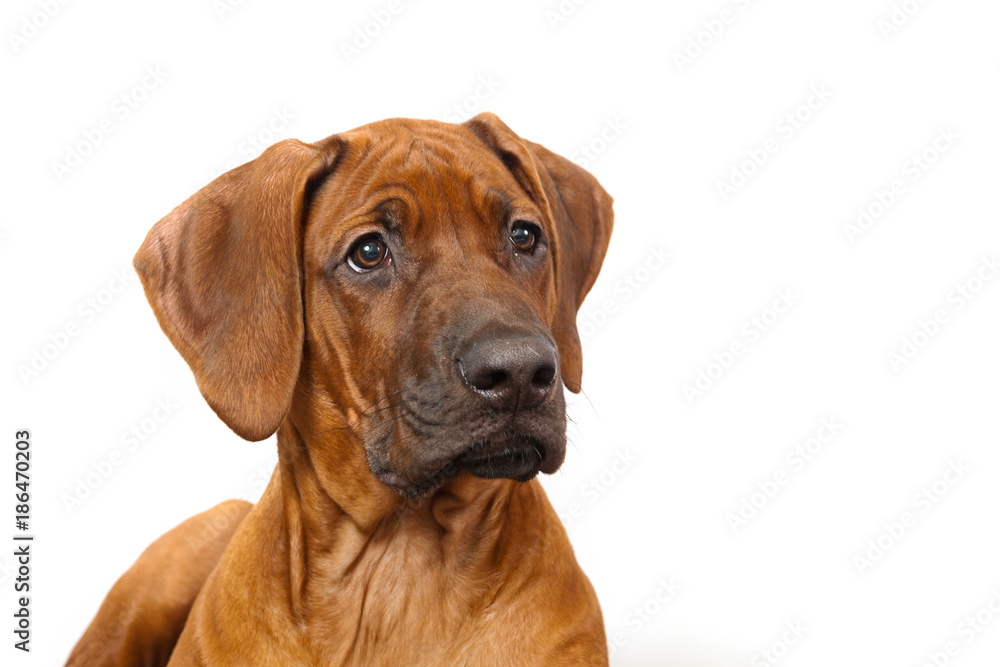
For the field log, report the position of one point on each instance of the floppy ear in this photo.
(581, 212)
(222, 273)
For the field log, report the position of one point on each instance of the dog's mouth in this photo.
(519, 460)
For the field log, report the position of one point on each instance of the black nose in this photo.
(511, 372)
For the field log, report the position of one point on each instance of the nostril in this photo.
(491, 380)
(486, 379)
(544, 377)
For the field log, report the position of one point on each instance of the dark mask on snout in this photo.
(425, 275)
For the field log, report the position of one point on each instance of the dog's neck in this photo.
(341, 521)
(331, 553)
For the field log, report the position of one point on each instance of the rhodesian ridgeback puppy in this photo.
(398, 303)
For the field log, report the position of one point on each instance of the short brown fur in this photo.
(332, 566)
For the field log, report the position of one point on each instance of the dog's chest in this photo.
(406, 598)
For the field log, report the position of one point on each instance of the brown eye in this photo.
(523, 236)
(368, 254)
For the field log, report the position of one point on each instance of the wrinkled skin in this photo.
(402, 524)
(454, 276)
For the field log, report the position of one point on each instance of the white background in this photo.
(662, 134)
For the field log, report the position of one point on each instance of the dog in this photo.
(398, 304)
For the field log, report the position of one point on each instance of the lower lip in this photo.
(395, 480)
(520, 464)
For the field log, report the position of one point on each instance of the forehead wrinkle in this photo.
(445, 175)
(371, 175)
(433, 176)
(364, 163)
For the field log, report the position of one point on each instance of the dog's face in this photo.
(431, 270)
(424, 276)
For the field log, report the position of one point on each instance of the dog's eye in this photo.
(524, 236)
(368, 254)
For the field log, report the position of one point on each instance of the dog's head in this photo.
(425, 277)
